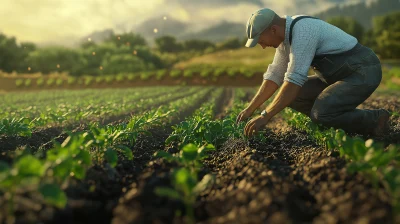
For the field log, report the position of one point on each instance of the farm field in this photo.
(176, 155)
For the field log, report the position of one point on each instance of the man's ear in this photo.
(274, 29)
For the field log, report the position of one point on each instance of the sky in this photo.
(61, 21)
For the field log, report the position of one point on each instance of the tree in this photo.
(348, 25)
(124, 63)
(128, 39)
(230, 43)
(56, 59)
(197, 45)
(386, 31)
(168, 44)
(11, 54)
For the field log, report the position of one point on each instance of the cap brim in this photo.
(252, 42)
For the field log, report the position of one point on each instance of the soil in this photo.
(288, 179)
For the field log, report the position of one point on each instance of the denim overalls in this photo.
(342, 82)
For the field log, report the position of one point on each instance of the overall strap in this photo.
(294, 22)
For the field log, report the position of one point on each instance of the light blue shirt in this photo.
(310, 37)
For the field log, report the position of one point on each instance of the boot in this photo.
(382, 128)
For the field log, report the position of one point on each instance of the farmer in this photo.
(346, 74)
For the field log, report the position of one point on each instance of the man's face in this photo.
(269, 38)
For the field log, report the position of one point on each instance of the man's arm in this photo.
(266, 90)
(284, 98)
(273, 79)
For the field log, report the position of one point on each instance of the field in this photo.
(175, 155)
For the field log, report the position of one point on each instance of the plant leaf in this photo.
(168, 192)
(53, 195)
(189, 152)
(126, 151)
(111, 157)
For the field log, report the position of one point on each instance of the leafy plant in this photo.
(19, 82)
(28, 82)
(186, 189)
(14, 126)
(40, 81)
(190, 156)
(88, 80)
(50, 81)
(59, 82)
(161, 73)
(71, 80)
(175, 73)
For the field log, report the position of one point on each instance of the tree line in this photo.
(129, 52)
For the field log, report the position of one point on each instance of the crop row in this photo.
(381, 165)
(83, 111)
(133, 77)
(194, 138)
(46, 176)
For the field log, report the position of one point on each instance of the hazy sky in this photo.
(63, 20)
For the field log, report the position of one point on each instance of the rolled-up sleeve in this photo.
(277, 69)
(302, 51)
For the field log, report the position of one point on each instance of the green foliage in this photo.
(50, 81)
(186, 185)
(120, 77)
(219, 71)
(14, 126)
(45, 60)
(28, 82)
(368, 157)
(168, 44)
(109, 78)
(206, 72)
(116, 63)
(88, 80)
(71, 80)
(130, 40)
(197, 45)
(161, 73)
(188, 73)
(175, 73)
(40, 81)
(386, 33)
(230, 43)
(190, 156)
(146, 75)
(59, 82)
(99, 79)
(19, 82)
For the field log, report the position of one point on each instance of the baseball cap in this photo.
(257, 23)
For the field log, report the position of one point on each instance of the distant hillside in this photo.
(164, 27)
(219, 32)
(98, 36)
(362, 12)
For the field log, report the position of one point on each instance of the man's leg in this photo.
(307, 95)
(336, 105)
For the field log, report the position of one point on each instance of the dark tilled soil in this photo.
(224, 103)
(289, 179)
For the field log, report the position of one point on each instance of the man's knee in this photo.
(318, 116)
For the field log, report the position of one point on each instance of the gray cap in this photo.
(257, 23)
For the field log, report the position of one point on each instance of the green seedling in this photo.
(186, 189)
(15, 126)
(190, 156)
